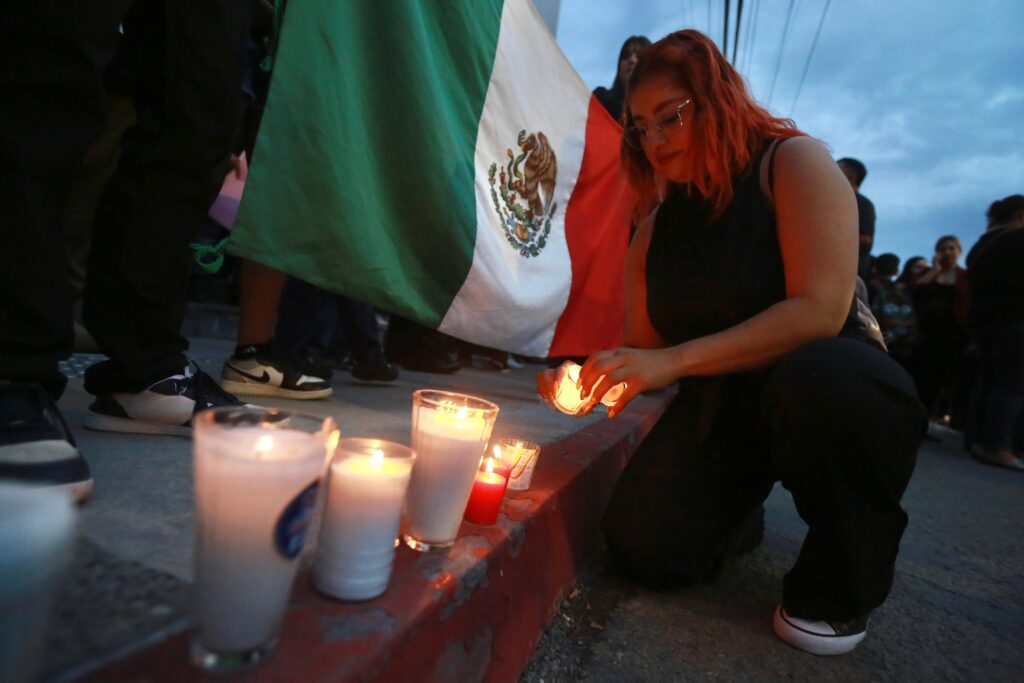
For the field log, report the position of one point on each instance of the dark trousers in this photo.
(998, 398)
(312, 322)
(936, 365)
(837, 421)
(182, 65)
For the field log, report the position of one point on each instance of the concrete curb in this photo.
(474, 613)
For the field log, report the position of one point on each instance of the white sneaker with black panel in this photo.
(820, 637)
(36, 447)
(166, 407)
(250, 373)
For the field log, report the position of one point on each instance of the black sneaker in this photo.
(820, 637)
(250, 373)
(166, 407)
(375, 372)
(36, 446)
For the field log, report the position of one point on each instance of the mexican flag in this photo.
(441, 160)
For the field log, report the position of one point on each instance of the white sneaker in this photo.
(820, 637)
(253, 375)
(166, 407)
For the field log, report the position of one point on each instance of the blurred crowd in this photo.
(959, 331)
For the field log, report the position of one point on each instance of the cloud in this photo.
(1007, 95)
(928, 94)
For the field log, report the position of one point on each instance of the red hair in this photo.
(728, 126)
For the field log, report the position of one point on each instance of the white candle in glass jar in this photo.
(365, 494)
(569, 399)
(255, 489)
(449, 445)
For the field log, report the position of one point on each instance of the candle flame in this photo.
(497, 452)
(463, 413)
(377, 457)
(490, 466)
(264, 443)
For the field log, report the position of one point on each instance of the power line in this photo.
(736, 35)
(782, 47)
(725, 31)
(807, 65)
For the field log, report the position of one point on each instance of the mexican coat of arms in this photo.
(523, 193)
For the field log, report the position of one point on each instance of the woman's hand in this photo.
(641, 370)
(547, 381)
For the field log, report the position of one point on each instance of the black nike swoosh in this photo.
(262, 380)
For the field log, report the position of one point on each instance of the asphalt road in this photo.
(956, 611)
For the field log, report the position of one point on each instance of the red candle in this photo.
(485, 499)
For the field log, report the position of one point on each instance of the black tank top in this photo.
(705, 276)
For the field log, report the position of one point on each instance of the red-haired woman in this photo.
(740, 287)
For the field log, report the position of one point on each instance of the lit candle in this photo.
(255, 492)
(485, 498)
(450, 433)
(569, 399)
(524, 455)
(505, 460)
(366, 489)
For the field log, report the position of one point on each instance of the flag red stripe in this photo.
(597, 234)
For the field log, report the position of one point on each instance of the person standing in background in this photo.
(855, 172)
(613, 98)
(941, 300)
(996, 321)
(181, 65)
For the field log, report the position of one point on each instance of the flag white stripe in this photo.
(510, 301)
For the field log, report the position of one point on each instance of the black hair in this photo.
(887, 264)
(906, 274)
(948, 238)
(632, 44)
(855, 165)
(1003, 211)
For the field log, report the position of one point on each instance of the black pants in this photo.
(315, 323)
(182, 63)
(998, 400)
(837, 421)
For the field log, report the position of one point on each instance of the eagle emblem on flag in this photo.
(523, 192)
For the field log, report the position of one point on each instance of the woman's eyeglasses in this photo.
(668, 127)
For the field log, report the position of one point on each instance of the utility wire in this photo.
(782, 47)
(725, 31)
(736, 35)
(807, 65)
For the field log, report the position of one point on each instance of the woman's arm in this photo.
(640, 333)
(816, 215)
(928, 276)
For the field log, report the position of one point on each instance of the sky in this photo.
(929, 94)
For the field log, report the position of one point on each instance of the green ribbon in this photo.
(210, 257)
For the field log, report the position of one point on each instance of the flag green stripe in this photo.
(363, 174)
